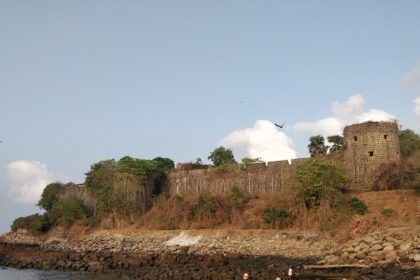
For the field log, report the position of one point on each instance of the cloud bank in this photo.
(27, 180)
(348, 112)
(263, 140)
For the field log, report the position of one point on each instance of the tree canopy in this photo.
(317, 146)
(49, 195)
(409, 142)
(337, 142)
(221, 156)
(320, 179)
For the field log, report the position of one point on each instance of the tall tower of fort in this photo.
(367, 146)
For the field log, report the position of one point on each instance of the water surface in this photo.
(8, 273)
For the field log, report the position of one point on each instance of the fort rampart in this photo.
(367, 146)
(252, 179)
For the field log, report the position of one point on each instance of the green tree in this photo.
(221, 156)
(164, 164)
(49, 195)
(67, 210)
(317, 146)
(100, 175)
(320, 179)
(337, 143)
(409, 142)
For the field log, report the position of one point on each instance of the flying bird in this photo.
(279, 126)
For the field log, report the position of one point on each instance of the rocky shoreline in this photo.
(218, 254)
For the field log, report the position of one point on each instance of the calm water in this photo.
(7, 273)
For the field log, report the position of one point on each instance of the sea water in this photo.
(8, 273)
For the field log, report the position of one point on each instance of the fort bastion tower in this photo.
(369, 145)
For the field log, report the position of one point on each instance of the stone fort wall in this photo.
(367, 146)
(253, 179)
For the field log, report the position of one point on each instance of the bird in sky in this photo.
(279, 126)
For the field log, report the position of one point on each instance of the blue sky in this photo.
(82, 81)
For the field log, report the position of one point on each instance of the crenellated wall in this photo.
(367, 146)
(253, 179)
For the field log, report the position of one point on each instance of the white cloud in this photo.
(411, 80)
(27, 180)
(263, 141)
(348, 112)
(327, 126)
(374, 115)
(417, 106)
(349, 108)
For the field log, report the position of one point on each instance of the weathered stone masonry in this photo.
(367, 146)
(255, 178)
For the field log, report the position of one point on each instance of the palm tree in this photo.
(317, 146)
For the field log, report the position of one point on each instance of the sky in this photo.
(84, 81)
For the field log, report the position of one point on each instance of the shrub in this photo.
(235, 195)
(387, 212)
(34, 222)
(20, 223)
(41, 223)
(204, 205)
(67, 210)
(273, 217)
(358, 207)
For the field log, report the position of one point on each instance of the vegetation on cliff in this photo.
(114, 186)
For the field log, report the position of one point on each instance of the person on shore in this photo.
(290, 273)
(246, 276)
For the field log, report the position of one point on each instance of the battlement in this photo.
(253, 178)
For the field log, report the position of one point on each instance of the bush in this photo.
(387, 212)
(358, 207)
(235, 195)
(276, 217)
(20, 223)
(204, 205)
(68, 210)
(34, 222)
(41, 223)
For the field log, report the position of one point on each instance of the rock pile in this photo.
(380, 249)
